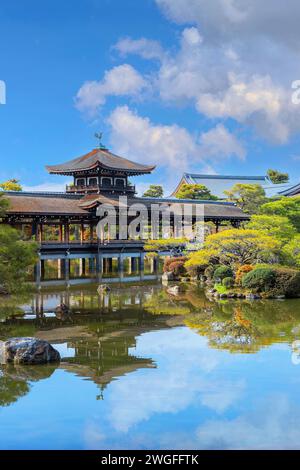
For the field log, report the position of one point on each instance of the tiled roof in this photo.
(217, 184)
(43, 204)
(217, 209)
(99, 157)
(62, 204)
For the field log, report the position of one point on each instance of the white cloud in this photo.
(146, 48)
(47, 187)
(170, 146)
(121, 80)
(171, 388)
(220, 143)
(226, 64)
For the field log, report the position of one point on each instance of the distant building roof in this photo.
(291, 190)
(99, 157)
(217, 184)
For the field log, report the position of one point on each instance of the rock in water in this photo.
(27, 351)
(103, 289)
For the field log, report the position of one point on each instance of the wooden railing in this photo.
(98, 187)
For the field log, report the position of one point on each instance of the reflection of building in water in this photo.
(96, 339)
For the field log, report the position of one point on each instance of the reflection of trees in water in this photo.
(15, 380)
(242, 326)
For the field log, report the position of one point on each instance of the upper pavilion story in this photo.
(101, 172)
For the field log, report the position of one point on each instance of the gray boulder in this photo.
(27, 351)
(175, 290)
(103, 288)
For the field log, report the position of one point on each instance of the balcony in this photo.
(103, 188)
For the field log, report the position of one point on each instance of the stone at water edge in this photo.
(167, 276)
(27, 351)
(103, 288)
(175, 290)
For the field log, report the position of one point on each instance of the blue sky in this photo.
(188, 85)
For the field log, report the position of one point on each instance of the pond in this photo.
(141, 369)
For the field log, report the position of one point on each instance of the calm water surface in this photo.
(141, 369)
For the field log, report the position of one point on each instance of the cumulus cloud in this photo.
(120, 80)
(148, 49)
(224, 20)
(171, 146)
(48, 187)
(226, 64)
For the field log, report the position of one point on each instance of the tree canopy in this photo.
(16, 258)
(236, 247)
(154, 190)
(195, 191)
(249, 197)
(286, 207)
(292, 250)
(11, 185)
(277, 177)
(276, 226)
(3, 205)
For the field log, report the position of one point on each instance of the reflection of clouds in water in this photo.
(180, 380)
(272, 424)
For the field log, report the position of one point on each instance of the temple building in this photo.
(64, 224)
(217, 184)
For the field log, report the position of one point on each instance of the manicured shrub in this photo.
(171, 260)
(177, 268)
(241, 271)
(287, 282)
(222, 271)
(228, 282)
(259, 280)
(209, 271)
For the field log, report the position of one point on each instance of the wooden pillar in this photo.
(91, 232)
(217, 224)
(121, 266)
(61, 269)
(132, 264)
(39, 232)
(67, 269)
(66, 232)
(82, 270)
(42, 269)
(142, 264)
(61, 235)
(37, 272)
(99, 266)
(81, 233)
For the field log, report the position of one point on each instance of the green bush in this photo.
(287, 282)
(228, 282)
(222, 271)
(260, 279)
(209, 271)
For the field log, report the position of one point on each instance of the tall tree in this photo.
(195, 191)
(277, 176)
(249, 197)
(276, 226)
(3, 205)
(11, 185)
(285, 207)
(16, 258)
(154, 190)
(236, 246)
